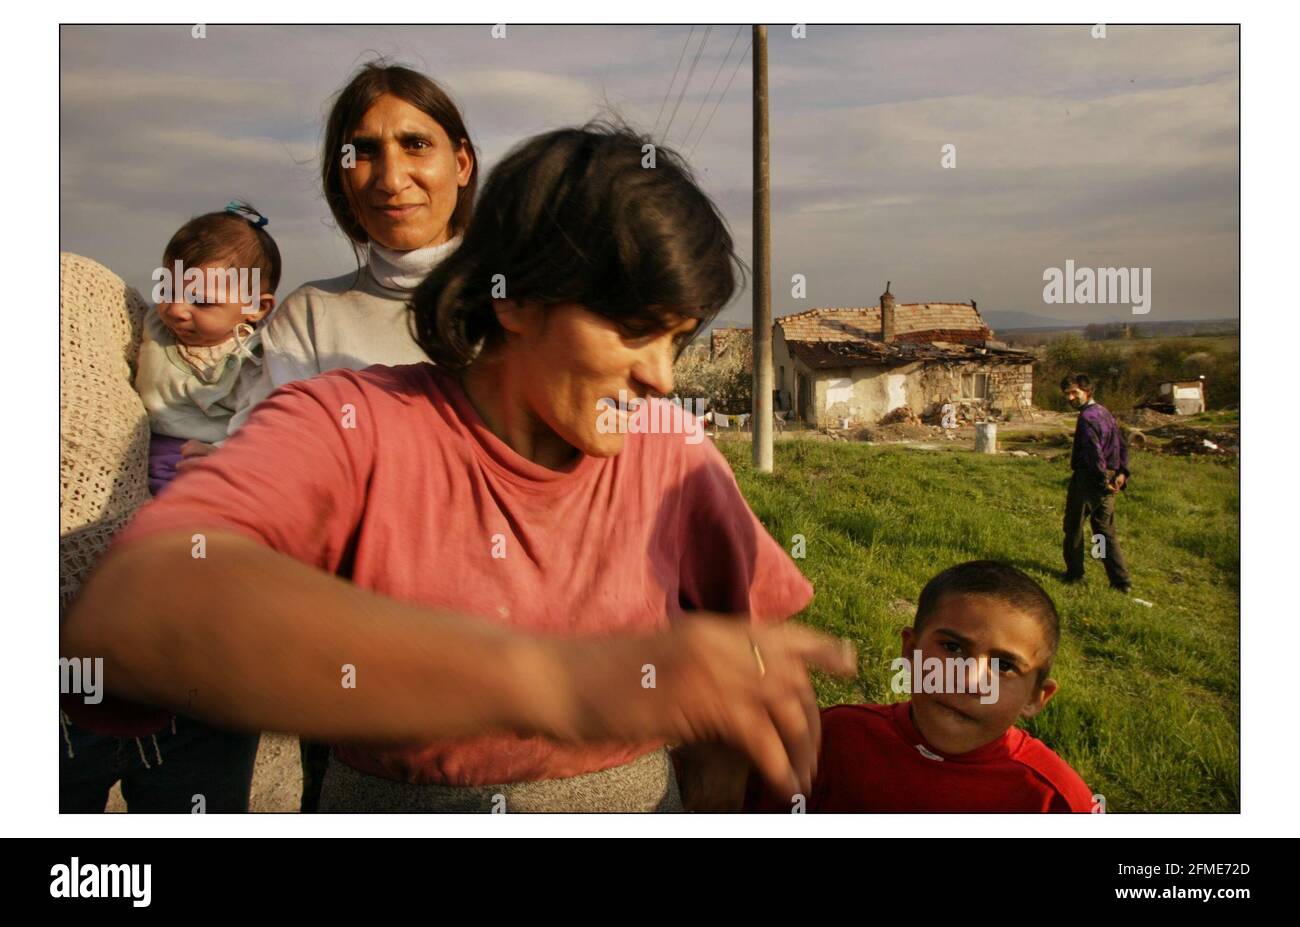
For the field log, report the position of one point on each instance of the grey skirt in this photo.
(647, 784)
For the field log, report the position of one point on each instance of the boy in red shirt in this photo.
(946, 750)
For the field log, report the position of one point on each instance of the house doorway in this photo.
(805, 399)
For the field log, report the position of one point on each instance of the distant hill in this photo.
(1010, 320)
(1008, 323)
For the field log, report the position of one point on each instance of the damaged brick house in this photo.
(860, 364)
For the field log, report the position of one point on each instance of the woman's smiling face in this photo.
(563, 362)
(581, 360)
(407, 176)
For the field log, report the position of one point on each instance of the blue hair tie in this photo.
(239, 209)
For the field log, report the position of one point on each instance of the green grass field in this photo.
(1148, 711)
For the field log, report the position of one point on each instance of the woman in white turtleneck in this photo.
(399, 173)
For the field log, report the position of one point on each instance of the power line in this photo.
(696, 60)
(669, 91)
(739, 62)
(718, 73)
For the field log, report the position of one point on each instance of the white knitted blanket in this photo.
(103, 428)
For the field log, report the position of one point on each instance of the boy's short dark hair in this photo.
(995, 580)
(1081, 380)
(579, 215)
(227, 236)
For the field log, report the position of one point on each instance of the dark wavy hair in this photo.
(578, 215)
(374, 80)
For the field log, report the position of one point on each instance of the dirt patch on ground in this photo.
(277, 780)
(277, 777)
(1145, 419)
(899, 431)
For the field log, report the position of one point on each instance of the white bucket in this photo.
(986, 438)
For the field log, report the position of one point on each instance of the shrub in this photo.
(726, 382)
(1125, 373)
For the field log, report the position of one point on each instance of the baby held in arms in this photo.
(217, 282)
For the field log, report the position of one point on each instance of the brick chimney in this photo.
(887, 321)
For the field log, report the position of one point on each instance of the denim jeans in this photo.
(161, 773)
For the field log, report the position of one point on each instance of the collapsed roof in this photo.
(851, 337)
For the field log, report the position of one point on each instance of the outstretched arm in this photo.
(250, 638)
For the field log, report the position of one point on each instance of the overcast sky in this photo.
(1111, 152)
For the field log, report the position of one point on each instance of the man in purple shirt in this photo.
(1099, 463)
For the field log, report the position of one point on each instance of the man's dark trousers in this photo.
(1088, 501)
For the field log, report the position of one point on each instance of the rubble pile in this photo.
(1186, 441)
(1146, 419)
(900, 416)
(963, 413)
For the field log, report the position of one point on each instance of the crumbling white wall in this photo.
(864, 394)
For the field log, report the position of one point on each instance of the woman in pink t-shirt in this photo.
(491, 582)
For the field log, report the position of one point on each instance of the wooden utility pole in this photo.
(762, 420)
